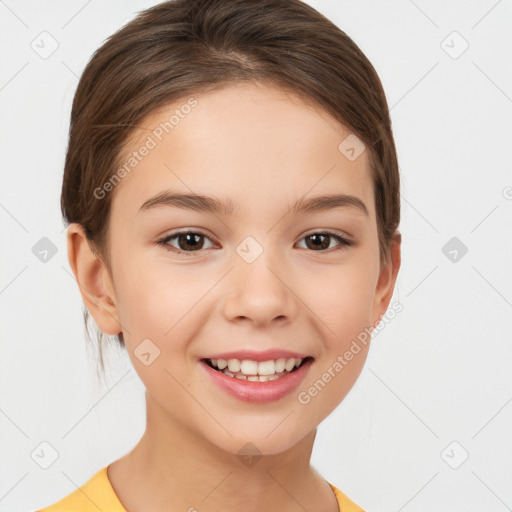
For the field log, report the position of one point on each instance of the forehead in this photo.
(248, 141)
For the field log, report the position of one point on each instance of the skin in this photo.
(264, 148)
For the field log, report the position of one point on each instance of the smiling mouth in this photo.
(256, 371)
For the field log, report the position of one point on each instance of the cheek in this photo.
(343, 315)
(149, 293)
(160, 304)
(146, 304)
(342, 301)
(159, 315)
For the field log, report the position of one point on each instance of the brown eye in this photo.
(186, 242)
(321, 241)
(190, 241)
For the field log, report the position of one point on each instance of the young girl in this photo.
(232, 192)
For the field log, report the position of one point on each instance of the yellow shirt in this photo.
(97, 494)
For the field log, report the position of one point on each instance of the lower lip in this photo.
(251, 391)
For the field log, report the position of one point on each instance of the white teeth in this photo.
(266, 368)
(290, 364)
(261, 371)
(280, 365)
(249, 367)
(234, 365)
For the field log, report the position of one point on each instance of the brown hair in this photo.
(183, 47)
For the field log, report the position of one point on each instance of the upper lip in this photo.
(264, 355)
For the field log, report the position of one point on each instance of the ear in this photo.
(93, 279)
(386, 281)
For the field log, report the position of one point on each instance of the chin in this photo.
(259, 442)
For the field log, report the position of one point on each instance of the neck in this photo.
(172, 464)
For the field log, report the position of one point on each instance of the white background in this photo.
(439, 372)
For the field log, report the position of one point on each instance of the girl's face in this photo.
(257, 278)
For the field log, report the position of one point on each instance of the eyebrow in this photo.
(201, 203)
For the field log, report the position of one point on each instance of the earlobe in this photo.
(387, 280)
(93, 280)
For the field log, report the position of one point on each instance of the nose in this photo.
(259, 292)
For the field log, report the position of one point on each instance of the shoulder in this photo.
(345, 503)
(96, 494)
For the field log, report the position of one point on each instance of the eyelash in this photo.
(344, 243)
